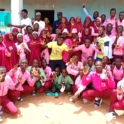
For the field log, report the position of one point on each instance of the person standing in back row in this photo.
(39, 21)
(57, 22)
(24, 22)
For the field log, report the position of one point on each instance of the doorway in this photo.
(47, 13)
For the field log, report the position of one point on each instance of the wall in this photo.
(68, 7)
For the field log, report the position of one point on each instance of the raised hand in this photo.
(84, 3)
(15, 68)
(19, 52)
(85, 62)
(23, 46)
(9, 25)
(19, 79)
(36, 72)
(116, 19)
(85, 70)
(42, 42)
(8, 54)
(1, 78)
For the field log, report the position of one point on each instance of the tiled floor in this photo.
(49, 110)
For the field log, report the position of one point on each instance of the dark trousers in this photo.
(54, 63)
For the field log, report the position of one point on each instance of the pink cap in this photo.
(65, 31)
(74, 31)
(99, 19)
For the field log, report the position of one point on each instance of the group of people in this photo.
(83, 59)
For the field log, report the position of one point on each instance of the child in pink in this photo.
(47, 70)
(103, 83)
(73, 68)
(87, 50)
(105, 62)
(22, 48)
(24, 76)
(117, 70)
(7, 84)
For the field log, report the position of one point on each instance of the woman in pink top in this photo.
(117, 70)
(72, 22)
(118, 44)
(7, 84)
(10, 45)
(87, 50)
(47, 70)
(103, 83)
(68, 42)
(44, 38)
(105, 62)
(3, 51)
(22, 74)
(27, 37)
(73, 67)
(78, 87)
(15, 32)
(22, 48)
(35, 47)
(112, 20)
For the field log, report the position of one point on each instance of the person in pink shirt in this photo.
(15, 31)
(73, 67)
(22, 47)
(120, 21)
(105, 64)
(6, 84)
(27, 84)
(87, 46)
(112, 20)
(118, 44)
(117, 70)
(103, 83)
(78, 87)
(48, 71)
(27, 37)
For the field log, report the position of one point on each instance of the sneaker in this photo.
(110, 116)
(34, 93)
(19, 99)
(56, 95)
(1, 120)
(97, 102)
(85, 100)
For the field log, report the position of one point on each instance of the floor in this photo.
(42, 109)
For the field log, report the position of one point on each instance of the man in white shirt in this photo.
(39, 21)
(24, 22)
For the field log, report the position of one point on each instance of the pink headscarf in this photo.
(79, 25)
(67, 25)
(15, 37)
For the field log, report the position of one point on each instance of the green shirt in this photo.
(67, 79)
(41, 71)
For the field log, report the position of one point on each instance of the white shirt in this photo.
(41, 25)
(26, 22)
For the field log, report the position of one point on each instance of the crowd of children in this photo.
(82, 59)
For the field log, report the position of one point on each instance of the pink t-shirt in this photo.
(26, 38)
(119, 51)
(47, 72)
(99, 83)
(6, 85)
(19, 48)
(25, 77)
(86, 52)
(112, 21)
(74, 69)
(121, 23)
(118, 73)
